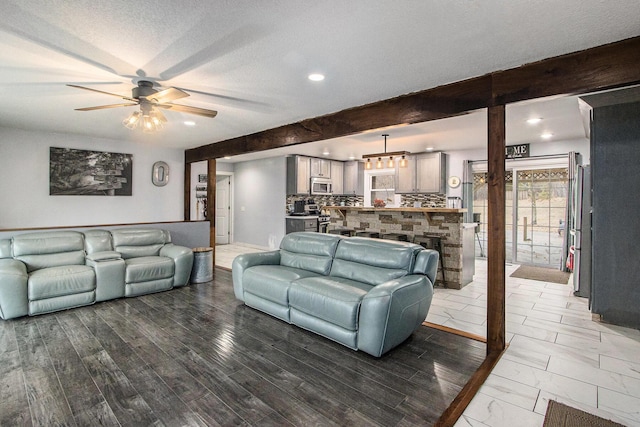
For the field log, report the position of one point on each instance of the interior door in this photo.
(223, 206)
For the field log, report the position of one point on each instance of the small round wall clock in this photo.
(454, 182)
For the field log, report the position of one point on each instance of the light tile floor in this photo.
(556, 351)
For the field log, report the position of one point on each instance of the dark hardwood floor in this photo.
(197, 356)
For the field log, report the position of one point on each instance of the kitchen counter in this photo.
(406, 209)
(301, 217)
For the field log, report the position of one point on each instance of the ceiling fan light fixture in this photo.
(132, 121)
(151, 122)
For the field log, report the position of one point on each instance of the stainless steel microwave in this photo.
(320, 186)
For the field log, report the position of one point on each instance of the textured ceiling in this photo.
(250, 60)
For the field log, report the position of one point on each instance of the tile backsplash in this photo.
(431, 200)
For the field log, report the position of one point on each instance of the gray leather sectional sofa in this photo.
(367, 294)
(49, 271)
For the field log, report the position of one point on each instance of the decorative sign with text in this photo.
(517, 151)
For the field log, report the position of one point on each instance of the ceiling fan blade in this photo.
(105, 93)
(103, 107)
(166, 95)
(191, 110)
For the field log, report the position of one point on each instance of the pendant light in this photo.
(390, 163)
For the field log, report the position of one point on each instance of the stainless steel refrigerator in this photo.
(582, 233)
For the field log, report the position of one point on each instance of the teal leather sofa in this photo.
(49, 271)
(367, 294)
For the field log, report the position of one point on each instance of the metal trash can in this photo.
(202, 270)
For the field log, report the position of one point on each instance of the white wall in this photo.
(24, 187)
(259, 201)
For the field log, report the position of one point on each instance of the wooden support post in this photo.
(211, 203)
(496, 231)
(187, 191)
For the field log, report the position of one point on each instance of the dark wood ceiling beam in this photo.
(612, 65)
(431, 104)
(603, 67)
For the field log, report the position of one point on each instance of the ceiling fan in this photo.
(149, 100)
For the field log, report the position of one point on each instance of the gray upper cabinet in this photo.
(298, 175)
(320, 168)
(430, 173)
(337, 174)
(353, 178)
(425, 173)
(406, 177)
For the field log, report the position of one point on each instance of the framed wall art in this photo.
(89, 173)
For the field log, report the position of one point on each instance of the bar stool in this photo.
(396, 236)
(371, 234)
(432, 242)
(343, 231)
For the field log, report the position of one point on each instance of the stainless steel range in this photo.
(323, 223)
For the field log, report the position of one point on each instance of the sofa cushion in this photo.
(61, 281)
(309, 251)
(144, 269)
(373, 261)
(49, 249)
(272, 282)
(132, 243)
(97, 241)
(334, 300)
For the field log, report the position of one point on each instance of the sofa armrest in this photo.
(427, 264)
(245, 261)
(183, 258)
(14, 301)
(109, 268)
(390, 312)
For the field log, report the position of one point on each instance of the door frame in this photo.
(231, 201)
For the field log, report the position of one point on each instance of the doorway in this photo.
(536, 205)
(223, 210)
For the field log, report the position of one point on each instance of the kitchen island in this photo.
(428, 226)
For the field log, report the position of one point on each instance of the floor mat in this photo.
(560, 415)
(542, 274)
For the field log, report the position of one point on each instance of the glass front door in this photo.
(541, 203)
(535, 214)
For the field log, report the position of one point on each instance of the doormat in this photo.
(560, 415)
(542, 274)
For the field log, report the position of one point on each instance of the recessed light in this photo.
(546, 135)
(189, 123)
(316, 77)
(429, 148)
(227, 157)
(534, 120)
(352, 157)
(326, 153)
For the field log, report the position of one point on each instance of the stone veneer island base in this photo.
(457, 237)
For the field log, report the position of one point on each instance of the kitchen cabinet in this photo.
(298, 175)
(320, 168)
(353, 178)
(301, 224)
(337, 176)
(425, 173)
